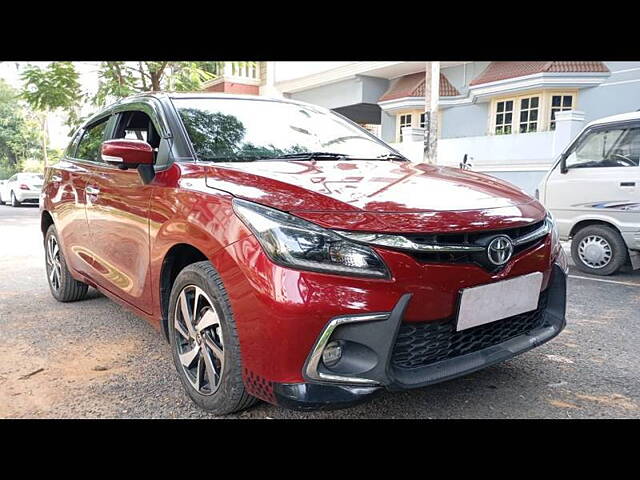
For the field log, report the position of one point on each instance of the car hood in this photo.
(373, 190)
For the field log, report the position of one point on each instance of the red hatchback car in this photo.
(288, 255)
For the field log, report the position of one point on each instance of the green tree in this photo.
(55, 87)
(121, 79)
(19, 137)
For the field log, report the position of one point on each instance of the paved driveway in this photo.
(94, 359)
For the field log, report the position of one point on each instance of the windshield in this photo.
(32, 177)
(223, 129)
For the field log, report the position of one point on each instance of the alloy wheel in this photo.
(199, 339)
(594, 251)
(54, 266)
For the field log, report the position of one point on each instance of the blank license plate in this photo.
(495, 301)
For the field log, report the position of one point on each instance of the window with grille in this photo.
(405, 121)
(559, 103)
(504, 117)
(529, 114)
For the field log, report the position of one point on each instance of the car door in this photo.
(601, 178)
(118, 218)
(66, 182)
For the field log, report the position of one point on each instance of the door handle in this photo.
(627, 184)
(92, 190)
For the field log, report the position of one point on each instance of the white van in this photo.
(593, 191)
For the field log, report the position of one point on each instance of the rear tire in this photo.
(14, 200)
(206, 350)
(598, 250)
(63, 286)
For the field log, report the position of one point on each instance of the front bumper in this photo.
(376, 368)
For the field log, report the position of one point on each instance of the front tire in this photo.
(598, 250)
(63, 286)
(204, 341)
(14, 200)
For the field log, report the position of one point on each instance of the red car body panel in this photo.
(279, 311)
(116, 233)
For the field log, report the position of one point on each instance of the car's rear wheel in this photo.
(204, 341)
(14, 200)
(63, 286)
(598, 250)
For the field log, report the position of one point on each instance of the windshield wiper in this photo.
(230, 158)
(313, 155)
(388, 156)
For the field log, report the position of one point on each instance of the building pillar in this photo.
(568, 125)
(268, 80)
(431, 97)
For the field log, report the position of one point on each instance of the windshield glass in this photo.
(223, 129)
(33, 177)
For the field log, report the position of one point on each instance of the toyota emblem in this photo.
(499, 250)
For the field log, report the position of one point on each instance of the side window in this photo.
(611, 147)
(136, 125)
(89, 146)
(71, 148)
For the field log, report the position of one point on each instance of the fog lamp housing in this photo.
(332, 353)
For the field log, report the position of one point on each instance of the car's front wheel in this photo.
(204, 341)
(63, 286)
(599, 250)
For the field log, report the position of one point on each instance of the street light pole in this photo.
(431, 97)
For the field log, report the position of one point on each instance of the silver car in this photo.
(21, 188)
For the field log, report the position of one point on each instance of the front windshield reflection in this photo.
(240, 130)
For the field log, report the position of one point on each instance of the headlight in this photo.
(293, 242)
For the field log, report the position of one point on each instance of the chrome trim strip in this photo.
(536, 234)
(315, 357)
(403, 243)
(111, 158)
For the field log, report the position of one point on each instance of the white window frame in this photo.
(415, 121)
(528, 122)
(401, 125)
(573, 96)
(495, 114)
(544, 109)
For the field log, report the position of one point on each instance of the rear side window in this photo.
(89, 146)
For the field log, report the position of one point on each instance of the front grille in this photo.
(481, 238)
(472, 238)
(420, 344)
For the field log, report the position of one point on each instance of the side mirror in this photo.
(127, 153)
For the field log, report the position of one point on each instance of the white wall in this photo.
(291, 70)
(492, 151)
(520, 151)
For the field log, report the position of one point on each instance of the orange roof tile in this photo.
(413, 86)
(504, 70)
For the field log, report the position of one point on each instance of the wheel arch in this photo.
(175, 260)
(589, 222)
(46, 220)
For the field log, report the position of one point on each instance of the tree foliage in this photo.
(54, 87)
(121, 79)
(19, 132)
